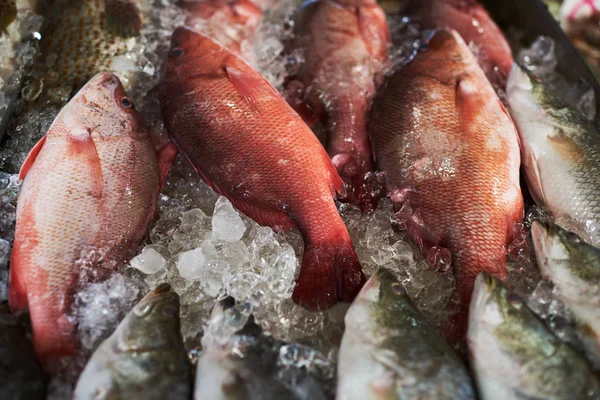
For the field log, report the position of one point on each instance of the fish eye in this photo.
(398, 288)
(514, 300)
(169, 311)
(176, 52)
(126, 103)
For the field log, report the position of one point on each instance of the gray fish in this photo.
(238, 362)
(21, 375)
(515, 356)
(144, 358)
(560, 153)
(573, 266)
(390, 352)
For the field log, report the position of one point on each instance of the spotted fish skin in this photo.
(79, 39)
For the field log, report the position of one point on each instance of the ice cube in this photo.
(227, 224)
(193, 263)
(149, 261)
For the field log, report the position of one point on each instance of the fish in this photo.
(573, 266)
(145, 356)
(345, 46)
(450, 155)
(249, 145)
(389, 350)
(89, 191)
(515, 356)
(232, 23)
(470, 19)
(239, 362)
(561, 153)
(21, 375)
(8, 13)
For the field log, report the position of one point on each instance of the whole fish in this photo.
(249, 145)
(344, 44)
(239, 362)
(390, 352)
(450, 153)
(514, 355)
(476, 27)
(89, 191)
(573, 266)
(144, 358)
(561, 154)
(21, 376)
(232, 23)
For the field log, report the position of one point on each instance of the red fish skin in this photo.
(248, 144)
(450, 154)
(89, 193)
(344, 44)
(473, 23)
(231, 23)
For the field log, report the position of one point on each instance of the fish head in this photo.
(153, 323)
(193, 54)
(494, 309)
(444, 56)
(102, 107)
(374, 309)
(564, 255)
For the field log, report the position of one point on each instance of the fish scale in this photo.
(89, 192)
(561, 155)
(451, 158)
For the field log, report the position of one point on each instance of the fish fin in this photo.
(536, 189)
(250, 86)
(262, 214)
(335, 180)
(166, 156)
(122, 17)
(374, 30)
(330, 273)
(31, 158)
(293, 93)
(17, 295)
(82, 145)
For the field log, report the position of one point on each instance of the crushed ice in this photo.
(207, 250)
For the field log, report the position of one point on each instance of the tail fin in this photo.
(330, 273)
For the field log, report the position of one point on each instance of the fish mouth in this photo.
(518, 79)
(160, 289)
(370, 291)
(484, 286)
(539, 234)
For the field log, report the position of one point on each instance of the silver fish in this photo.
(238, 362)
(573, 266)
(390, 352)
(560, 153)
(144, 358)
(515, 356)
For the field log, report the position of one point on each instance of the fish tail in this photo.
(330, 273)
